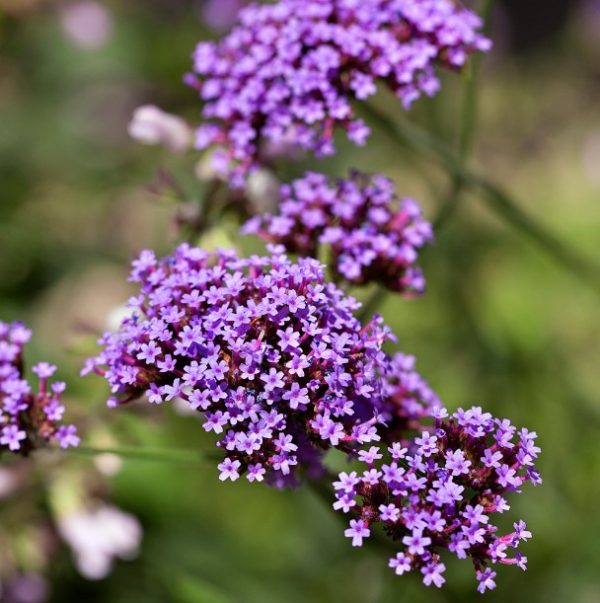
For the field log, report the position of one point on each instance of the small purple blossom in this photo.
(12, 436)
(433, 573)
(486, 580)
(416, 542)
(229, 470)
(44, 370)
(67, 436)
(389, 512)
(401, 564)
(358, 530)
(374, 236)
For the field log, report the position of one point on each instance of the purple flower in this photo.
(266, 349)
(416, 542)
(220, 14)
(521, 531)
(291, 70)
(456, 462)
(401, 564)
(347, 481)
(28, 417)
(274, 380)
(44, 370)
(256, 473)
(66, 436)
(374, 236)
(370, 456)
(357, 531)
(429, 507)
(433, 574)
(229, 470)
(486, 580)
(389, 512)
(12, 437)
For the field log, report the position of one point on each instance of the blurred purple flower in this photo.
(220, 14)
(25, 588)
(87, 24)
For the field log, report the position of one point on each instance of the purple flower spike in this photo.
(374, 236)
(439, 493)
(292, 70)
(28, 417)
(264, 348)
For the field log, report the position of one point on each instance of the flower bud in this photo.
(151, 125)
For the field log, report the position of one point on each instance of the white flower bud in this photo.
(151, 125)
(96, 537)
(262, 190)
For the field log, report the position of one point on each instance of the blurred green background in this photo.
(502, 324)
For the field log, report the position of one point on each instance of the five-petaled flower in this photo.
(357, 531)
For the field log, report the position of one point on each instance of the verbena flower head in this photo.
(264, 348)
(374, 236)
(441, 491)
(296, 66)
(29, 415)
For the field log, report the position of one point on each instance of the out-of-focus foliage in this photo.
(501, 323)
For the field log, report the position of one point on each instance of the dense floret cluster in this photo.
(29, 417)
(292, 69)
(407, 400)
(264, 348)
(374, 236)
(440, 491)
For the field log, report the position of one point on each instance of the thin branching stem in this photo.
(372, 304)
(468, 128)
(412, 136)
(174, 455)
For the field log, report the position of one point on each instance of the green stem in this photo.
(410, 135)
(324, 493)
(470, 107)
(372, 304)
(466, 137)
(178, 456)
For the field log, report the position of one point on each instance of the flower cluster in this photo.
(407, 400)
(264, 348)
(374, 236)
(440, 492)
(293, 68)
(28, 417)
